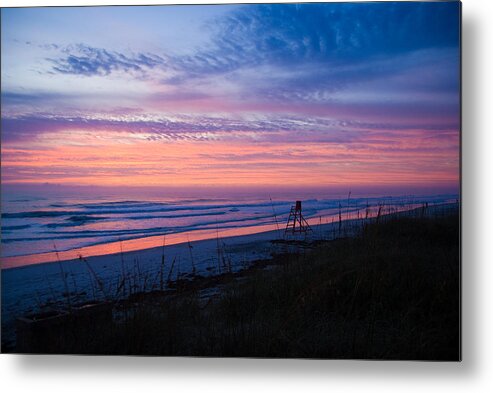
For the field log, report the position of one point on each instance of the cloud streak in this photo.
(267, 129)
(85, 60)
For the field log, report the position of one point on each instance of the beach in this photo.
(43, 286)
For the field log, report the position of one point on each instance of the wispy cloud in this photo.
(337, 33)
(85, 60)
(313, 54)
(266, 129)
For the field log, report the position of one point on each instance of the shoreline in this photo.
(143, 244)
(129, 246)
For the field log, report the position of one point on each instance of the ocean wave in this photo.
(59, 235)
(14, 227)
(220, 213)
(75, 221)
(119, 205)
(35, 214)
(160, 209)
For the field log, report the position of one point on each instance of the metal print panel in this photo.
(239, 180)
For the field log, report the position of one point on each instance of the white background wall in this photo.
(475, 373)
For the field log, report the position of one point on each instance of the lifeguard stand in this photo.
(296, 221)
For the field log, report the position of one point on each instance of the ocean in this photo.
(36, 224)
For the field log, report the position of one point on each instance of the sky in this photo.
(335, 95)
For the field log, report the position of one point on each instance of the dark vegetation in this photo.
(391, 293)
